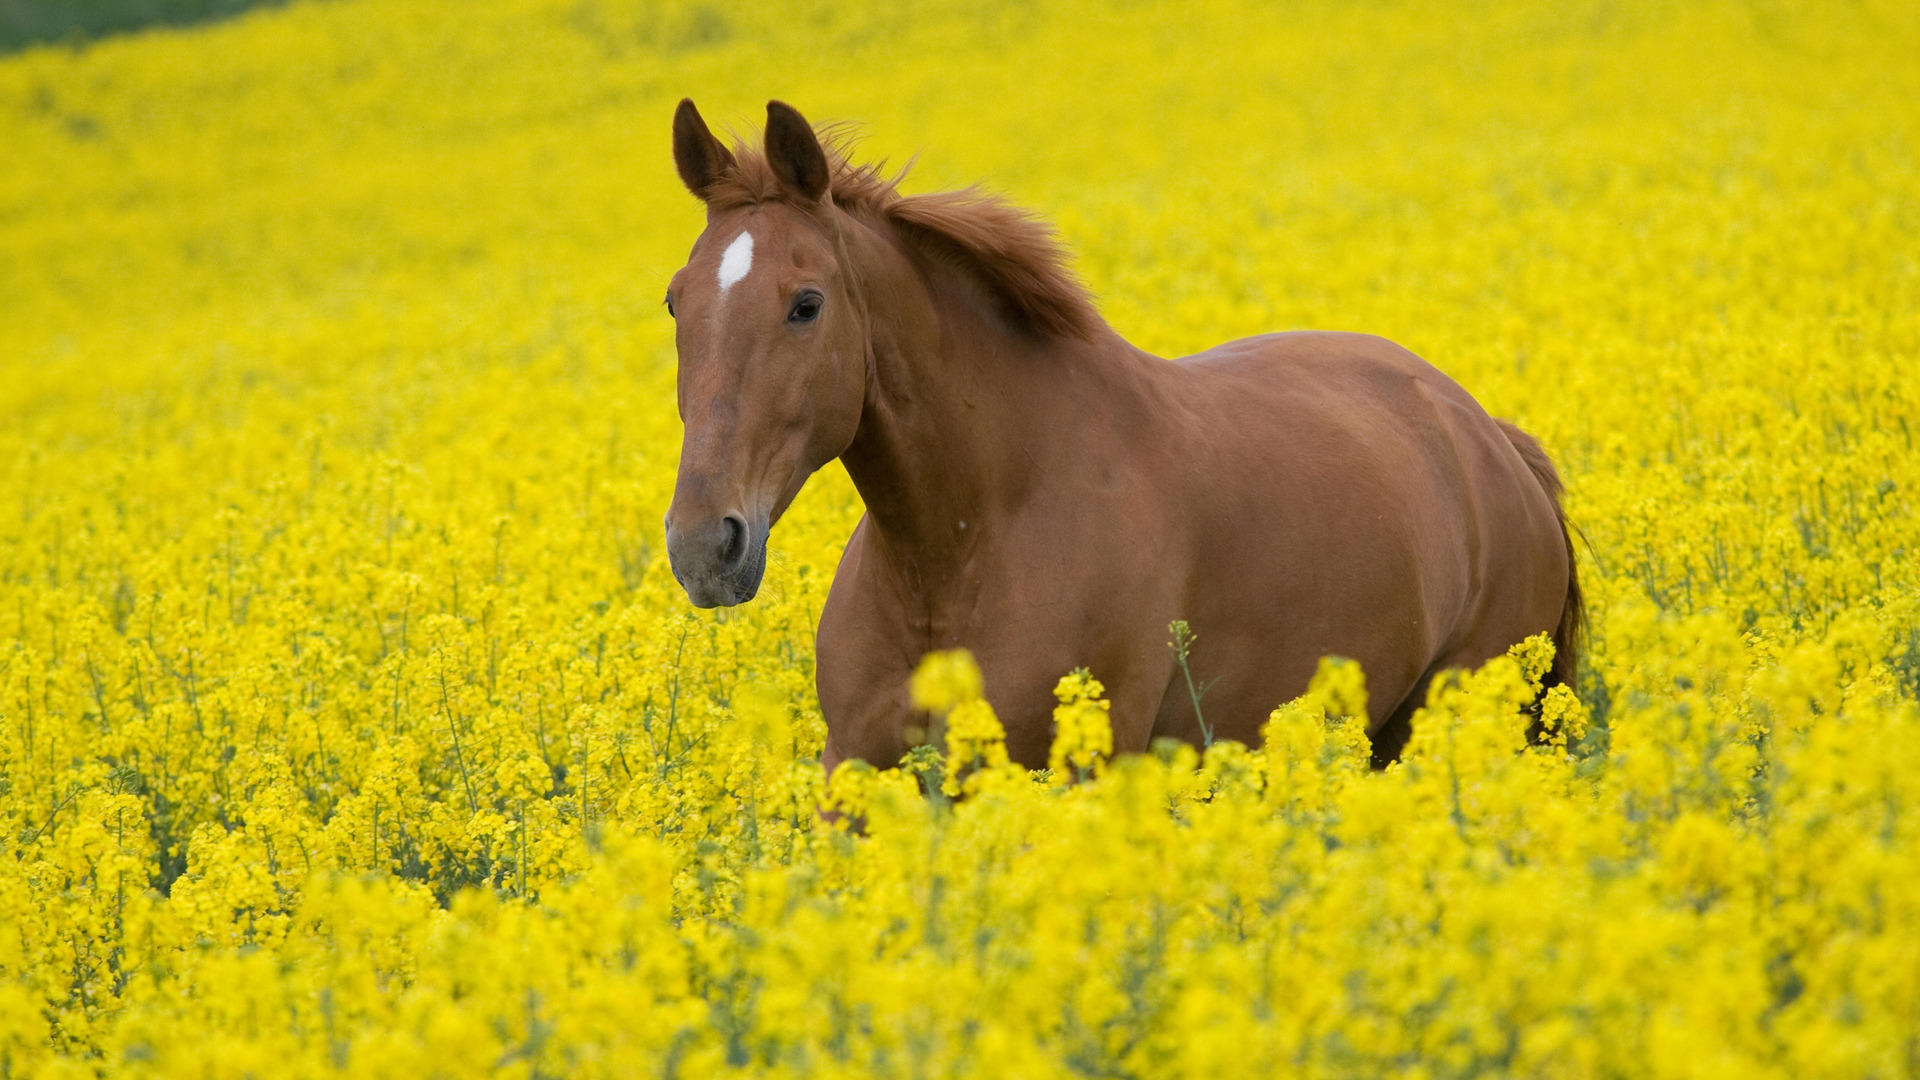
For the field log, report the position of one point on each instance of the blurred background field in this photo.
(350, 720)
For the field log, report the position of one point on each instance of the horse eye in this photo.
(670, 313)
(806, 309)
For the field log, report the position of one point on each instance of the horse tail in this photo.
(1573, 616)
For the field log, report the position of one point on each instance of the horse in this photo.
(1044, 494)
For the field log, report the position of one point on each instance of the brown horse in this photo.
(1047, 496)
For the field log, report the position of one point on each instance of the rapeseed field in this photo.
(351, 722)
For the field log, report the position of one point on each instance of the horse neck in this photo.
(955, 399)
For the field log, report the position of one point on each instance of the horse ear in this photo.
(696, 153)
(794, 151)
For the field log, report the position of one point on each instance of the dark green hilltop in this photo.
(77, 22)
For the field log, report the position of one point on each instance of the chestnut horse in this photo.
(1047, 496)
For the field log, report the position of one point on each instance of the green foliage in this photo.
(31, 22)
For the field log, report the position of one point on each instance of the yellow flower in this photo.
(352, 722)
(1083, 733)
(944, 681)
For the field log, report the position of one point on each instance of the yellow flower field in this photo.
(351, 722)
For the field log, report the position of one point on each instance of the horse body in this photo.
(1047, 496)
(1362, 505)
(1251, 490)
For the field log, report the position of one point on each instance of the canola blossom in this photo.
(351, 721)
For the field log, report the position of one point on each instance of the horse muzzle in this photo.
(720, 561)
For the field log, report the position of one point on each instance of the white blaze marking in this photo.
(737, 260)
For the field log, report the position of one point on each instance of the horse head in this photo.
(772, 348)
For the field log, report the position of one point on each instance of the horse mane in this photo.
(1017, 258)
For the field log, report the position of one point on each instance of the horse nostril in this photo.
(734, 548)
